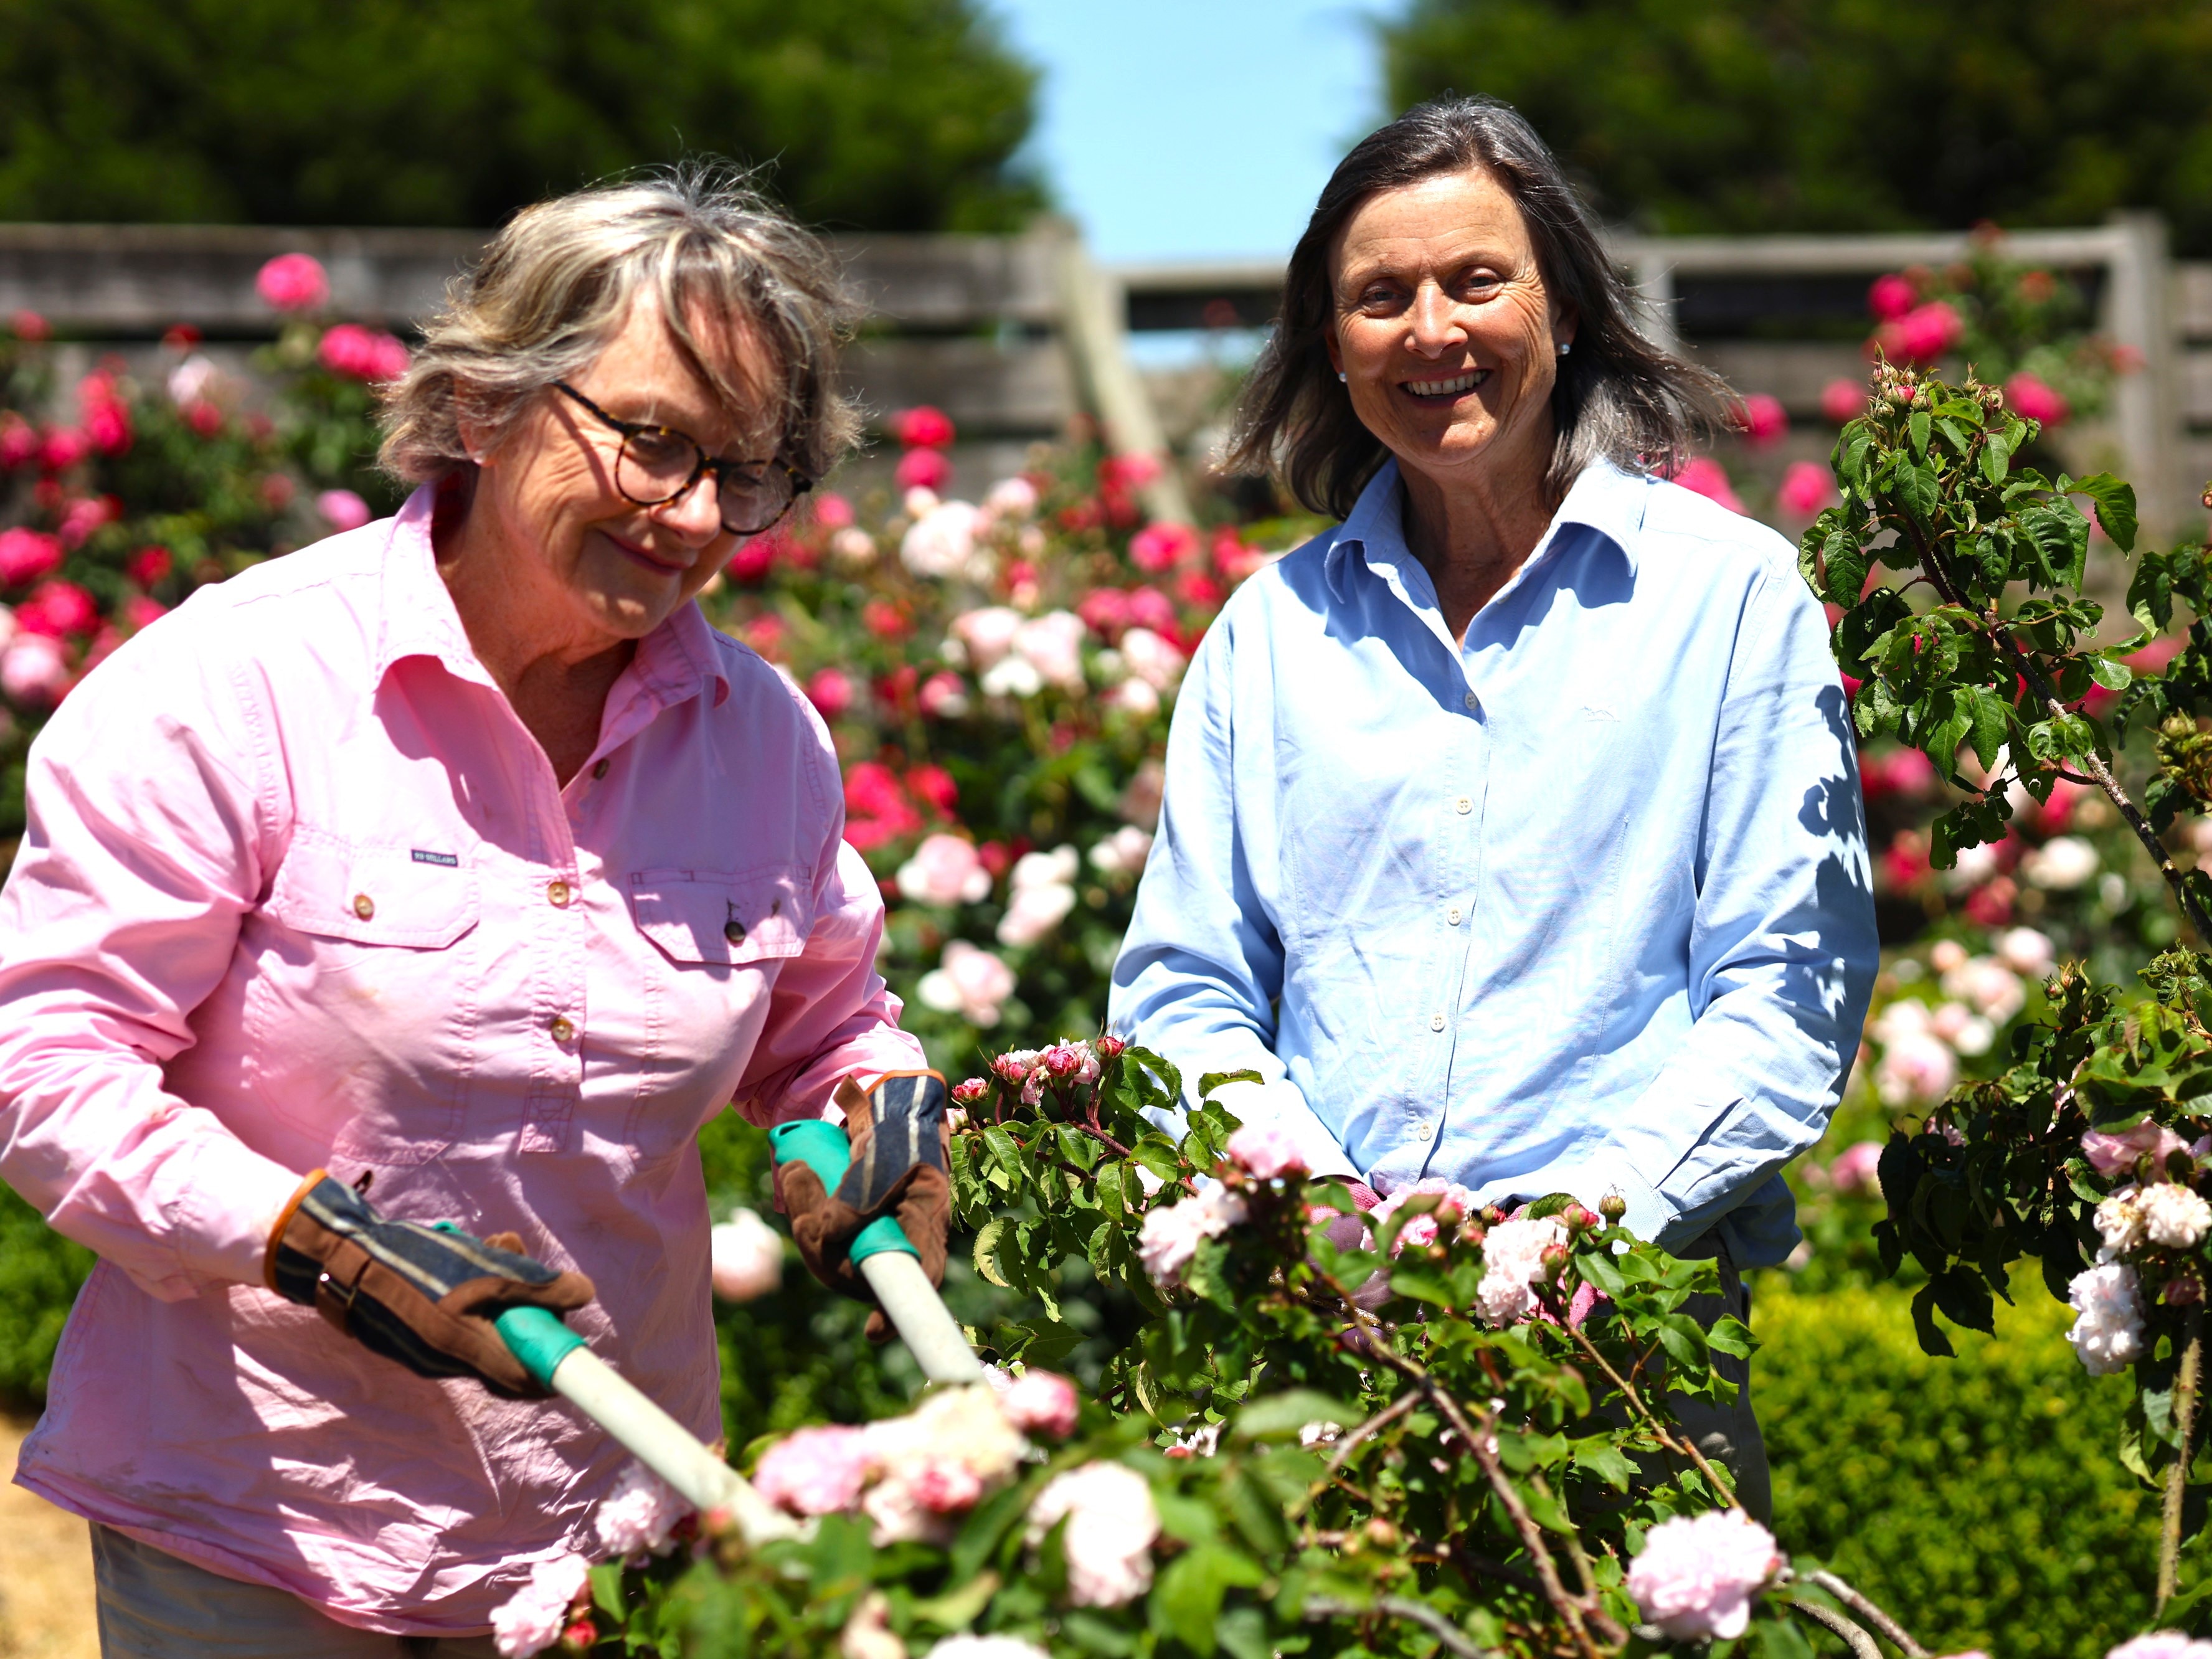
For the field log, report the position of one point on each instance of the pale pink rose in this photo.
(1266, 1151)
(34, 672)
(2107, 1333)
(1994, 990)
(987, 632)
(1011, 498)
(1041, 1402)
(1857, 1167)
(1111, 1525)
(1705, 477)
(1843, 400)
(1133, 697)
(637, 1517)
(1513, 1265)
(2158, 1645)
(1151, 660)
(2027, 952)
(1171, 1237)
(942, 538)
(342, 509)
(969, 981)
(533, 1619)
(1034, 912)
(1916, 1068)
(292, 281)
(746, 1256)
(852, 547)
(1053, 644)
(1421, 1230)
(945, 870)
(2117, 1154)
(1806, 489)
(817, 1471)
(943, 696)
(1123, 853)
(1698, 1573)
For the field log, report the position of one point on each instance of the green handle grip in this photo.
(824, 1149)
(537, 1338)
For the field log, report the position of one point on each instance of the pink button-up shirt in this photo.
(299, 889)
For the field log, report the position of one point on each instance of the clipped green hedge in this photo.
(40, 1272)
(1978, 1498)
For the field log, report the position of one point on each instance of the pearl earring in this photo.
(1566, 346)
(1340, 375)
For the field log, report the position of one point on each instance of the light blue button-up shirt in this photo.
(1584, 905)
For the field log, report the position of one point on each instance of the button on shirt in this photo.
(1582, 906)
(299, 889)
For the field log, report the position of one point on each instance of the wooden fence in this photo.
(1015, 337)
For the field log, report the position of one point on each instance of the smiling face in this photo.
(589, 567)
(1444, 332)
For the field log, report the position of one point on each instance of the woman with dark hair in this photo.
(1512, 831)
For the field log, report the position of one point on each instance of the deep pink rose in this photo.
(362, 354)
(149, 565)
(923, 469)
(814, 1471)
(1706, 477)
(1161, 546)
(1764, 421)
(1842, 400)
(83, 516)
(943, 696)
(63, 448)
(57, 609)
(1150, 608)
(923, 427)
(1923, 334)
(19, 441)
(29, 326)
(1806, 489)
(830, 691)
(1891, 297)
(1041, 1402)
(1105, 610)
(27, 555)
(2035, 399)
(292, 281)
(342, 509)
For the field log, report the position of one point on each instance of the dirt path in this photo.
(46, 1571)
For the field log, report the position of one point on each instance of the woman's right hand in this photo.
(425, 1296)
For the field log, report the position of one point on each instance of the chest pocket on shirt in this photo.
(698, 917)
(362, 1012)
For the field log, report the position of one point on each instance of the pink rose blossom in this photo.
(830, 691)
(33, 672)
(1421, 1229)
(27, 325)
(362, 354)
(746, 1256)
(969, 981)
(1053, 644)
(986, 633)
(1111, 1524)
(2117, 1154)
(1266, 1151)
(140, 610)
(943, 696)
(1515, 1260)
(1152, 661)
(637, 1517)
(815, 1471)
(831, 511)
(58, 609)
(86, 514)
(27, 555)
(945, 870)
(1765, 422)
(1891, 297)
(1923, 334)
(342, 509)
(1160, 546)
(2035, 399)
(2158, 1645)
(1806, 490)
(922, 428)
(1171, 1237)
(1857, 1167)
(294, 282)
(923, 469)
(1705, 477)
(533, 1619)
(61, 448)
(1041, 1402)
(1842, 400)
(19, 441)
(1698, 1573)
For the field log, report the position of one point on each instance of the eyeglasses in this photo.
(658, 464)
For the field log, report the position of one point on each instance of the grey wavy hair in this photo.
(558, 283)
(1618, 395)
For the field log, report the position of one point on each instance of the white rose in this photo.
(2062, 864)
(747, 1257)
(940, 540)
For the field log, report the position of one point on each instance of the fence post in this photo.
(1094, 310)
(2139, 313)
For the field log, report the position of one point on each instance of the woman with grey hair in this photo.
(1512, 832)
(391, 919)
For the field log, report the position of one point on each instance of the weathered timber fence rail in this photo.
(1017, 336)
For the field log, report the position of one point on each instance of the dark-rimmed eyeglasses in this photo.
(658, 464)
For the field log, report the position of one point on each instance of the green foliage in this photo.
(39, 1274)
(886, 114)
(1976, 1496)
(1756, 116)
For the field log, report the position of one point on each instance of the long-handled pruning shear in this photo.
(557, 1357)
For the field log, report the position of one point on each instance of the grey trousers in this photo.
(153, 1605)
(1728, 1434)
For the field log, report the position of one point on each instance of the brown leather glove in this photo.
(423, 1296)
(900, 1156)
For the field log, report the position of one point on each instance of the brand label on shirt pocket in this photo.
(714, 918)
(372, 893)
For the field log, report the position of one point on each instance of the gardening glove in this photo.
(900, 1142)
(423, 1296)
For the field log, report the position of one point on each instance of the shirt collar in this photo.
(1604, 497)
(673, 662)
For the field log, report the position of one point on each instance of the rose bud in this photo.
(1613, 1206)
(1381, 1534)
(1555, 1259)
(969, 1092)
(1491, 1215)
(579, 1637)
(1472, 1233)
(1447, 1213)
(1110, 1048)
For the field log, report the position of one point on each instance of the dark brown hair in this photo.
(1618, 396)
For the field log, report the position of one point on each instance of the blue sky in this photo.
(1196, 129)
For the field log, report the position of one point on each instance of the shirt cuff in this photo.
(231, 1202)
(1280, 1103)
